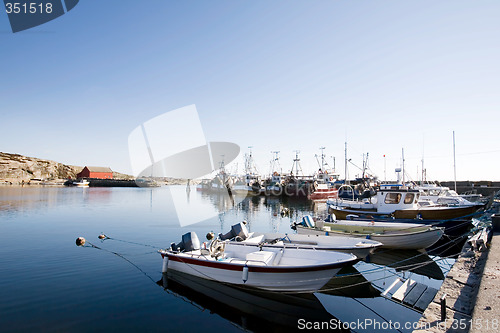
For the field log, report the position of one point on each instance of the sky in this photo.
(383, 76)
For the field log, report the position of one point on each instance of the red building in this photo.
(95, 172)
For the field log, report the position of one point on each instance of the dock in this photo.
(469, 298)
(486, 314)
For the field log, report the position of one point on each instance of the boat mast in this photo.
(454, 162)
(423, 169)
(403, 155)
(322, 159)
(275, 162)
(385, 173)
(345, 163)
(296, 164)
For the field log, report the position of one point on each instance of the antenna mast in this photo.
(454, 162)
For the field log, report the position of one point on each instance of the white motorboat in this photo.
(81, 183)
(442, 195)
(391, 234)
(283, 269)
(359, 247)
(398, 201)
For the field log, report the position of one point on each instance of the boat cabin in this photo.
(393, 197)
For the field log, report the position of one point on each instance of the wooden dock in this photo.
(411, 293)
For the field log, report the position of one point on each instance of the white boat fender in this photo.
(164, 267)
(244, 276)
(80, 241)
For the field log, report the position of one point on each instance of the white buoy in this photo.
(80, 241)
(245, 274)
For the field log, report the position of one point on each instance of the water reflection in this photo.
(349, 282)
(28, 198)
(250, 309)
(414, 261)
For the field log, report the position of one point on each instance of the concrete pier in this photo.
(472, 295)
(486, 315)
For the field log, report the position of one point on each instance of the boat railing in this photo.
(348, 186)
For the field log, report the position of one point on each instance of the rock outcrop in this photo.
(18, 167)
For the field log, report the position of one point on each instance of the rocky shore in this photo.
(17, 169)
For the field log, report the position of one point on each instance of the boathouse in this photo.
(95, 172)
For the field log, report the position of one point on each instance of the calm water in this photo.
(49, 284)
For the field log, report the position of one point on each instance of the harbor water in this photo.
(49, 284)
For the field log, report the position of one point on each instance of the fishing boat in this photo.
(250, 182)
(391, 234)
(323, 191)
(359, 247)
(397, 201)
(325, 180)
(280, 269)
(274, 185)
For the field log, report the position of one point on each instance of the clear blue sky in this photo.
(275, 75)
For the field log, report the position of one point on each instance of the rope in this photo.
(124, 258)
(128, 242)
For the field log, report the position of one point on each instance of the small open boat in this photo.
(81, 183)
(359, 247)
(283, 269)
(390, 234)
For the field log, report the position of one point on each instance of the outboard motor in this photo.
(308, 221)
(190, 242)
(239, 231)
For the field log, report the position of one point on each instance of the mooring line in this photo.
(105, 237)
(124, 258)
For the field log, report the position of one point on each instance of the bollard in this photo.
(443, 307)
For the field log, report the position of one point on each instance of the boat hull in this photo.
(324, 194)
(392, 240)
(277, 278)
(434, 213)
